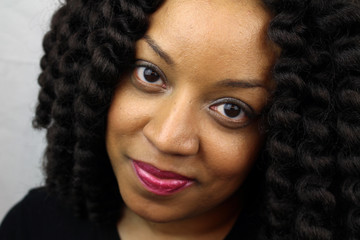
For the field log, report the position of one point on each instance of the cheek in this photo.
(233, 156)
(127, 114)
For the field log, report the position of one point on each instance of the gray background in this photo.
(22, 26)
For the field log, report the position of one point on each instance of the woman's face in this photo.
(183, 128)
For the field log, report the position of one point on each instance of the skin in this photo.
(178, 124)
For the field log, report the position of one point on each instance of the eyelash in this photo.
(246, 113)
(149, 86)
(242, 119)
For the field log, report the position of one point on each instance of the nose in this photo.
(173, 127)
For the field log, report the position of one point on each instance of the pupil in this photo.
(150, 75)
(231, 110)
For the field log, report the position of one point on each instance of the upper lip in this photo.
(158, 172)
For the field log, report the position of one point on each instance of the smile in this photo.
(160, 182)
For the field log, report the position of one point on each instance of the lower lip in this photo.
(160, 186)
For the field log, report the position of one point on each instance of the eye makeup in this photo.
(148, 77)
(227, 111)
(232, 112)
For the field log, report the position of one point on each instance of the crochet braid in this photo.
(312, 148)
(301, 176)
(287, 30)
(115, 25)
(48, 63)
(346, 54)
(89, 45)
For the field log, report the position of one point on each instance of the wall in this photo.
(22, 24)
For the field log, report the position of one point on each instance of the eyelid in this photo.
(247, 108)
(144, 63)
(223, 120)
(144, 85)
(228, 122)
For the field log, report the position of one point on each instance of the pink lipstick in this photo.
(158, 181)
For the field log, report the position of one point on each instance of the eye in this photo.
(147, 75)
(229, 110)
(232, 113)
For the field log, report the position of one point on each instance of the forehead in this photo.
(215, 33)
(219, 21)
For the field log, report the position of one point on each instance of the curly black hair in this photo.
(311, 162)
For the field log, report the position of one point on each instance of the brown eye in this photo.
(148, 75)
(231, 110)
(232, 113)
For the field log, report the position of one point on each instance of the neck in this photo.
(214, 224)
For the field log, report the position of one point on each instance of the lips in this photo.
(158, 181)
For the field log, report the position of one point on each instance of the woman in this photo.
(198, 120)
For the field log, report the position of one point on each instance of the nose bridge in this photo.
(172, 128)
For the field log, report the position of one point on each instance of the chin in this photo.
(158, 212)
(164, 216)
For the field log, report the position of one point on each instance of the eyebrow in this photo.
(232, 83)
(241, 83)
(158, 50)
